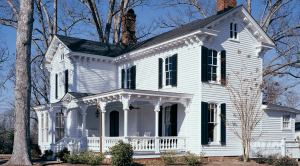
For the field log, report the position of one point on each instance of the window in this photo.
(286, 121)
(167, 121)
(42, 123)
(168, 69)
(212, 62)
(130, 77)
(66, 81)
(59, 126)
(47, 126)
(213, 128)
(56, 86)
(212, 122)
(170, 72)
(62, 57)
(233, 30)
(170, 120)
(211, 71)
(61, 81)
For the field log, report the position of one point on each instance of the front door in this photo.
(114, 124)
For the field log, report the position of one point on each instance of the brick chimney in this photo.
(128, 28)
(224, 5)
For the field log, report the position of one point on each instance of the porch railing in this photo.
(172, 143)
(142, 143)
(110, 142)
(61, 144)
(78, 144)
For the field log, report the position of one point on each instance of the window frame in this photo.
(59, 116)
(127, 77)
(290, 122)
(218, 66)
(233, 30)
(164, 75)
(169, 71)
(217, 127)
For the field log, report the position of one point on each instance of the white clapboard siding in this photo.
(59, 66)
(217, 93)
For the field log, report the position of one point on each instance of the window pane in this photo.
(167, 69)
(231, 34)
(215, 53)
(170, 66)
(230, 26)
(235, 35)
(214, 77)
(170, 59)
(167, 61)
(214, 69)
(235, 27)
(167, 82)
(215, 61)
(210, 132)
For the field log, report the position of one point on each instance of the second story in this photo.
(184, 60)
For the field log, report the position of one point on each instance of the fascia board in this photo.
(203, 31)
(255, 24)
(91, 56)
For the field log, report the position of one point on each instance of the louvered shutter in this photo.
(174, 70)
(204, 123)
(173, 117)
(160, 74)
(223, 67)
(123, 79)
(204, 73)
(223, 124)
(56, 84)
(128, 78)
(133, 73)
(66, 81)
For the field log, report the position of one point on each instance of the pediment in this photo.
(241, 14)
(67, 98)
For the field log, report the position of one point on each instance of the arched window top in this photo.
(233, 30)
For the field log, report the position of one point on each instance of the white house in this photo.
(156, 94)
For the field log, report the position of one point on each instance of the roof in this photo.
(112, 50)
(76, 95)
(90, 47)
(283, 108)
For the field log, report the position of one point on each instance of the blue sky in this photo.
(145, 15)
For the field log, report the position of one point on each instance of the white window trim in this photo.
(54, 125)
(164, 86)
(290, 123)
(218, 80)
(237, 36)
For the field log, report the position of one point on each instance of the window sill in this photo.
(214, 144)
(168, 87)
(234, 40)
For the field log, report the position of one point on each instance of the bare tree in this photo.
(245, 89)
(21, 149)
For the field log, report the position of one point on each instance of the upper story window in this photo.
(213, 66)
(213, 125)
(286, 122)
(129, 81)
(233, 30)
(61, 84)
(167, 73)
(62, 57)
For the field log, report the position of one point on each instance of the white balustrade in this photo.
(172, 143)
(61, 144)
(142, 143)
(110, 142)
(93, 143)
(78, 145)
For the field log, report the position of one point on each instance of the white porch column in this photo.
(156, 130)
(126, 125)
(103, 123)
(84, 124)
(52, 130)
(283, 146)
(65, 123)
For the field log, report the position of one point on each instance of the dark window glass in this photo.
(168, 70)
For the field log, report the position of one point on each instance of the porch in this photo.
(151, 122)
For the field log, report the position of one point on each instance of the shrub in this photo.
(62, 153)
(48, 152)
(36, 151)
(121, 154)
(286, 161)
(260, 159)
(84, 157)
(192, 158)
(169, 157)
(241, 158)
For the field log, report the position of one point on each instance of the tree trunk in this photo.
(109, 20)
(21, 149)
(96, 18)
(55, 17)
(117, 21)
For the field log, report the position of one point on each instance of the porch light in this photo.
(97, 113)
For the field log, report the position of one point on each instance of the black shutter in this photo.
(123, 79)
(66, 81)
(223, 124)
(204, 123)
(174, 70)
(128, 78)
(160, 122)
(173, 118)
(56, 83)
(223, 67)
(160, 74)
(133, 73)
(204, 65)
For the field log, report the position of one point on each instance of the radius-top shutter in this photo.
(204, 70)
(56, 89)
(133, 73)
(223, 124)
(204, 123)
(160, 74)
(123, 79)
(223, 67)
(66, 81)
(174, 70)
